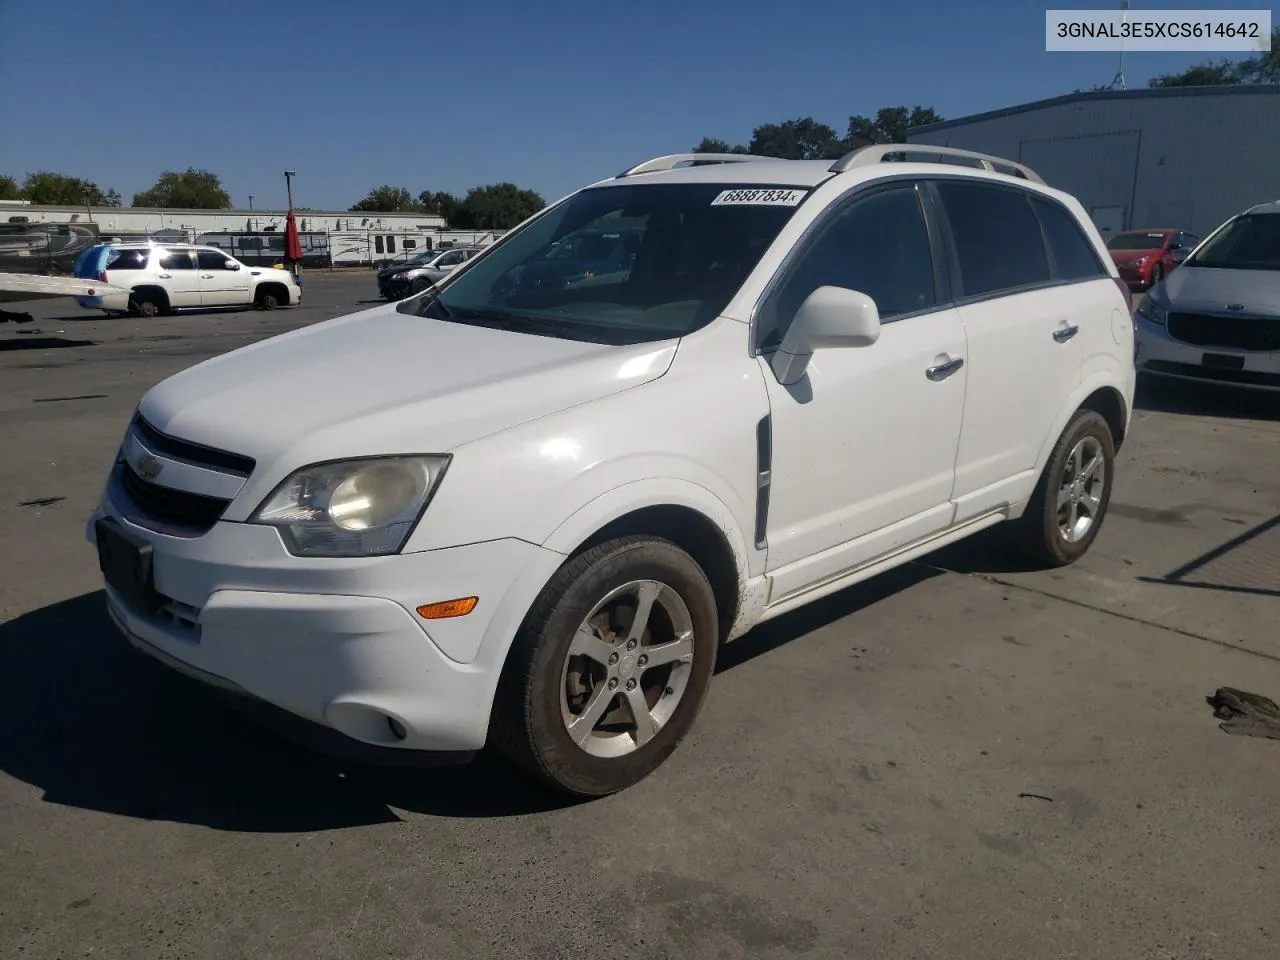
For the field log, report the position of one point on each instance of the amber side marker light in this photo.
(448, 608)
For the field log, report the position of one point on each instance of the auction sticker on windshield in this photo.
(768, 198)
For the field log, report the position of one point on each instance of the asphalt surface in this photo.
(960, 759)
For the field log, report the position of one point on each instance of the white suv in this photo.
(529, 511)
(156, 279)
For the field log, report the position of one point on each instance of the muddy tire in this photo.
(1070, 501)
(610, 668)
(145, 305)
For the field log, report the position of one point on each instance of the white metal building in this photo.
(1183, 157)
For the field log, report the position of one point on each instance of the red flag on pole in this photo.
(292, 242)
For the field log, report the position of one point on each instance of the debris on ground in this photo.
(1246, 714)
(41, 501)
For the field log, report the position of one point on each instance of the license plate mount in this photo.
(126, 564)
(1222, 361)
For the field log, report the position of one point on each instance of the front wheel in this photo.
(610, 668)
(268, 300)
(1066, 511)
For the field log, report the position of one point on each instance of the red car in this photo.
(1144, 257)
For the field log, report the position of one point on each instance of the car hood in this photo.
(1124, 256)
(1211, 288)
(383, 382)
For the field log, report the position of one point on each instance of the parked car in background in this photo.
(1218, 317)
(396, 281)
(532, 513)
(1145, 257)
(150, 279)
(423, 277)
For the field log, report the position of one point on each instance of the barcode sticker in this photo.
(762, 198)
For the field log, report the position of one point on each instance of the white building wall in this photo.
(142, 220)
(1189, 157)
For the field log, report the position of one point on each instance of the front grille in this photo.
(176, 508)
(191, 452)
(1236, 333)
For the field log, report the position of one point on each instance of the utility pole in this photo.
(251, 203)
(1118, 80)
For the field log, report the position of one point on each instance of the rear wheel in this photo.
(1070, 502)
(611, 667)
(146, 305)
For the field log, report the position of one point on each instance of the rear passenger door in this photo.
(1023, 331)
(178, 276)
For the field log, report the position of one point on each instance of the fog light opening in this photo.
(397, 728)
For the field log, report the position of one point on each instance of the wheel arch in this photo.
(685, 513)
(1104, 397)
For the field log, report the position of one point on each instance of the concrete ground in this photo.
(960, 759)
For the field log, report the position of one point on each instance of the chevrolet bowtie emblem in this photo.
(148, 467)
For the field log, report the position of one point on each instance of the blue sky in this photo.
(549, 94)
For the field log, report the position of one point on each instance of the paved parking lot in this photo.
(962, 758)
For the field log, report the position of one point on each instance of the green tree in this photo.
(386, 199)
(9, 188)
(112, 198)
(1264, 68)
(440, 203)
(889, 126)
(44, 186)
(190, 190)
(802, 139)
(498, 206)
(709, 145)
(1219, 73)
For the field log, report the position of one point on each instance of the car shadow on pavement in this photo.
(1205, 399)
(97, 725)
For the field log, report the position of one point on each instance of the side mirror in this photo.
(232, 265)
(829, 317)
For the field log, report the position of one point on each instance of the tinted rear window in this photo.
(1073, 255)
(997, 237)
(127, 260)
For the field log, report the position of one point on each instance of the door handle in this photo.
(206, 276)
(940, 371)
(1063, 334)
(165, 276)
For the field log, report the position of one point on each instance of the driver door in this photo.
(223, 281)
(864, 445)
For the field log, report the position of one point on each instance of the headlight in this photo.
(1153, 312)
(352, 508)
(398, 276)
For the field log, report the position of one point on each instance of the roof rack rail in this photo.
(673, 160)
(879, 152)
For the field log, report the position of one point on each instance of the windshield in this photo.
(619, 264)
(1249, 242)
(1136, 241)
(424, 258)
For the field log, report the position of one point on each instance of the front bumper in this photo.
(1157, 353)
(338, 642)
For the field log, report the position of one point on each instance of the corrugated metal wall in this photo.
(1138, 161)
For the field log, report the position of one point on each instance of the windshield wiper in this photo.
(510, 320)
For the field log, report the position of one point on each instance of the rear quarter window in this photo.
(127, 260)
(1074, 257)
